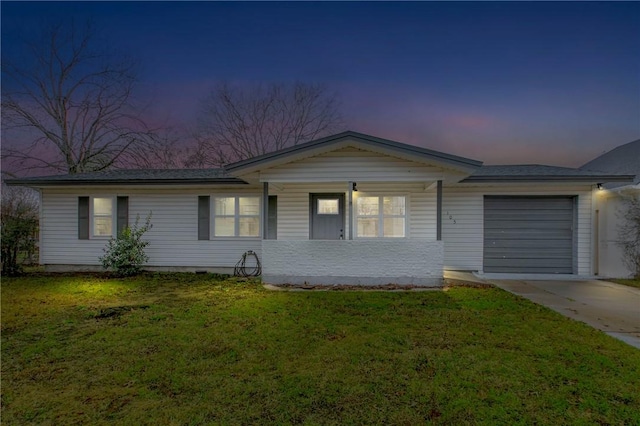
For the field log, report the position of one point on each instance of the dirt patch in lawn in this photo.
(116, 311)
(386, 287)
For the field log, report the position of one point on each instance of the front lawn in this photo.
(190, 349)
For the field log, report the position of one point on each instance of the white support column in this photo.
(265, 210)
(439, 211)
(351, 221)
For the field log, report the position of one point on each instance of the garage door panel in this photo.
(513, 244)
(531, 270)
(521, 215)
(528, 263)
(524, 225)
(528, 203)
(516, 253)
(528, 234)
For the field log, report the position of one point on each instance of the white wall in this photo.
(293, 206)
(463, 222)
(365, 262)
(173, 238)
(174, 235)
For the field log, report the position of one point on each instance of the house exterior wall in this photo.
(173, 238)
(415, 261)
(174, 243)
(293, 206)
(463, 222)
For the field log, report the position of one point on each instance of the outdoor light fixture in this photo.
(353, 186)
(599, 186)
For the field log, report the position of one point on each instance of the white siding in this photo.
(293, 206)
(351, 164)
(173, 238)
(463, 218)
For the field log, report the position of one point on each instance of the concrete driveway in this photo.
(612, 308)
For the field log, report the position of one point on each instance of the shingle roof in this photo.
(623, 159)
(539, 172)
(133, 177)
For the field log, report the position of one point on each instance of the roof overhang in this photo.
(42, 183)
(592, 179)
(624, 189)
(357, 140)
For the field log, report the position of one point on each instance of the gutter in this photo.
(128, 182)
(549, 178)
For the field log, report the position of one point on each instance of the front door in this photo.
(327, 216)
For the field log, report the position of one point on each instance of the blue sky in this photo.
(502, 82)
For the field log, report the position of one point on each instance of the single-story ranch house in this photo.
(344, 209)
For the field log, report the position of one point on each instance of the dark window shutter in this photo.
(203, 217)
(83, 218)
(273, 217)
(123, 213)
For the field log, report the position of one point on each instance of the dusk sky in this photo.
(503, 82)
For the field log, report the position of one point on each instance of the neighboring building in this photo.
(625, 159)
(345, 209)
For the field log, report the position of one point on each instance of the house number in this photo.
(451, 218)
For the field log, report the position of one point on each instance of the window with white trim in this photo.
(381, 217)
(102, 213)
(236, 216)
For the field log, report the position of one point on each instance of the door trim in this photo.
(339, 195)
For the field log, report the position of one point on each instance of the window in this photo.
(328, 206)
(236, 216)
(102, 215)
(380, 216)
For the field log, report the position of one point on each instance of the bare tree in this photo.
(629, 232)
(168, 152)
(242, 122)
(73, 103)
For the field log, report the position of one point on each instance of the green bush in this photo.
(125, 254)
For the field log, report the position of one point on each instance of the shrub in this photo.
(19, 229)
(125, 254)
(629, 233)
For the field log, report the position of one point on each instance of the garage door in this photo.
(528, 234)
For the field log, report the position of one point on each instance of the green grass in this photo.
(195, 350)
(630, 282)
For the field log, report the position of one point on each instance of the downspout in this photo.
(595, 240)
(596, 247)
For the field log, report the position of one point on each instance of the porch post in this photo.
(439, 211)
(350, 209)
(265, 210)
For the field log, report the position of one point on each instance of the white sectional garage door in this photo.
(528, 234)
